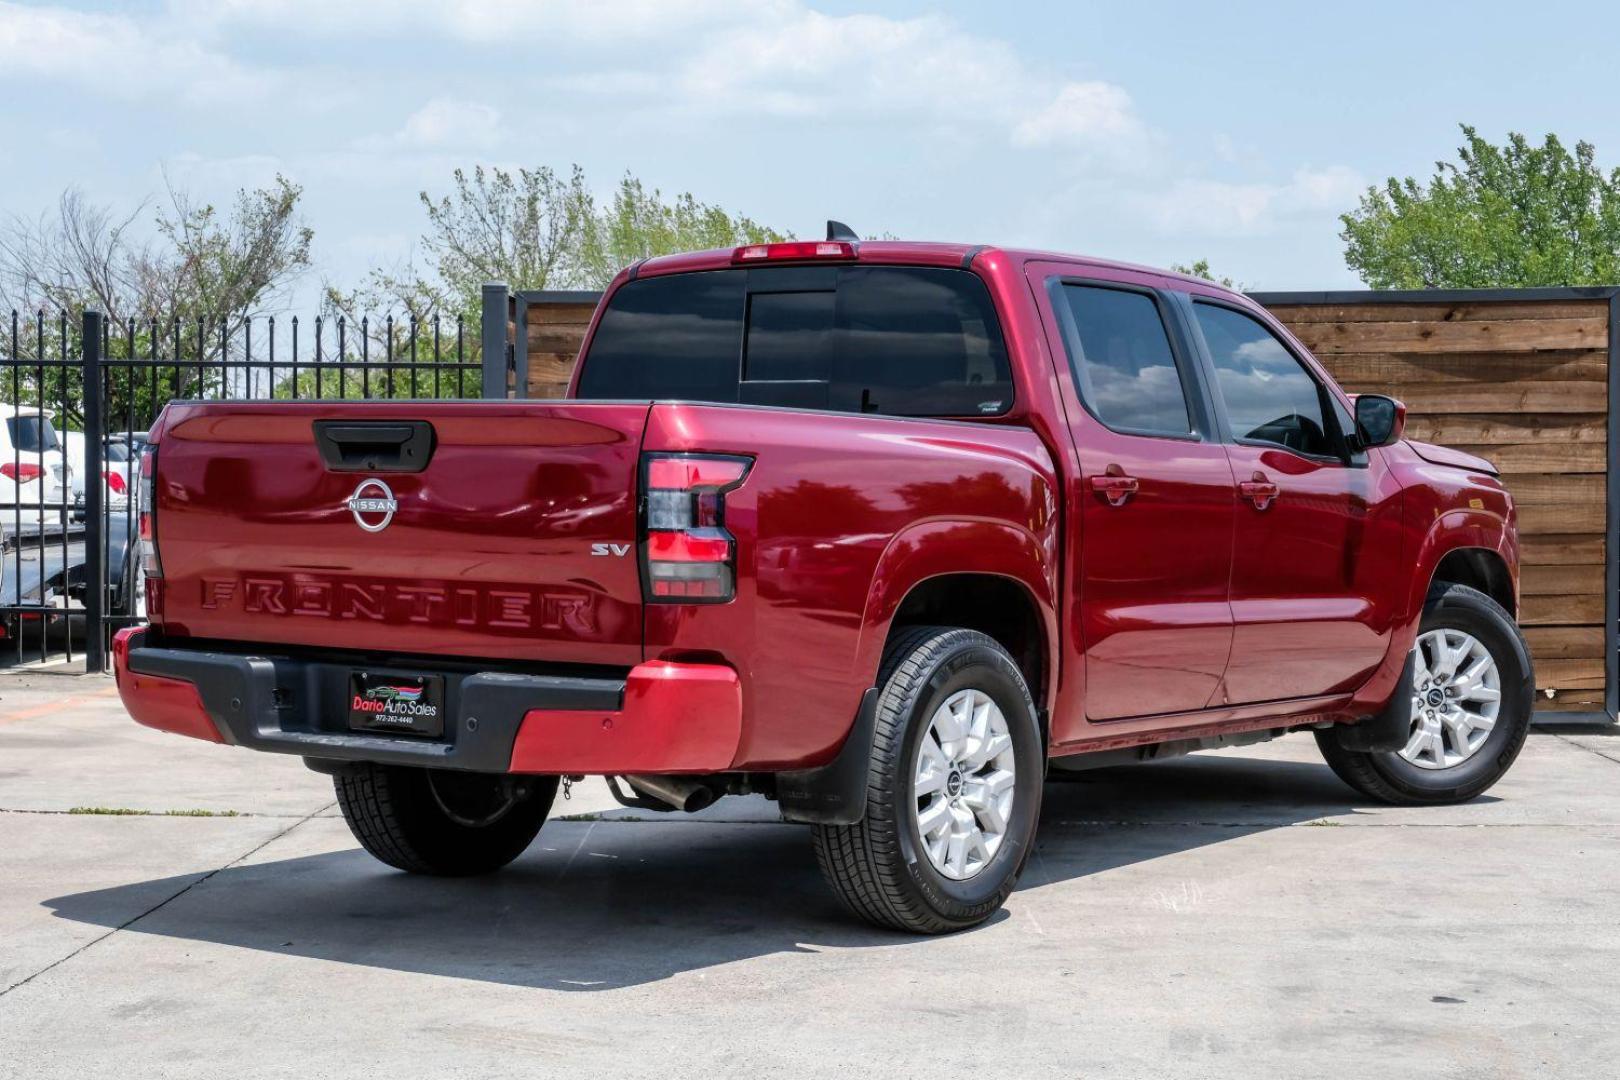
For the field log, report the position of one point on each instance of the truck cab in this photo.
(883, 531)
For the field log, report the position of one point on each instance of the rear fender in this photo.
(936, 548)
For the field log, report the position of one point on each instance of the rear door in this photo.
(1152, 500)
(511, 532)
(1317, 538)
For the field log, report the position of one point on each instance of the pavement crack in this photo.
(99, 938)
(1589, 749)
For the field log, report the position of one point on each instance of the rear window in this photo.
(32, 434)
(903, 341)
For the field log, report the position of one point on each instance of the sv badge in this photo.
(619, 550)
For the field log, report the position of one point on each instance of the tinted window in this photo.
(669, 337)
(32, 434)
(917, 342)
(1269, 396)
(789, 336)
(1123, 362)
(906, 341)
(117, 451)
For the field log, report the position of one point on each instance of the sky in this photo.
(1152, 132)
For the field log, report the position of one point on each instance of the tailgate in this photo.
(515, 540)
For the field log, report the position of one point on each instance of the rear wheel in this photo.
(1473, 692)
(130, 596)
(953, 788)
(442, 821)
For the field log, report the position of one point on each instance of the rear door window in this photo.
(1123, 361)
(903, 341)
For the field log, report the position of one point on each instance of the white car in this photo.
(115, 469)
(35, 482)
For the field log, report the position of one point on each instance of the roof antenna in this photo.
(837, 230)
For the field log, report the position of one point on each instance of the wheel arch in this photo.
(930, 575)
(1479, 568)
(1474, 543)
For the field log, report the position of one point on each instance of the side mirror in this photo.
(1379, 420)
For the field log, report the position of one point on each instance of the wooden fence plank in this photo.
(1489, 311)
(1512, 459)
(1518, 397)
(1571, 701)
(557, 337)
(1561, 580)
(560, 313)
(1562, 610)
(1544, 489)
(1543, 520)
(1513, 335)
(1484, 428)
(1565, 642)
(1561, 549)
(1398, 369)
(1570, 674)
(541, 389)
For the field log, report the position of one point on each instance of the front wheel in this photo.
(442, 821)
(1473, 692)
(953, 788)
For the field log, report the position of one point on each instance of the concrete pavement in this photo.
(1232, 914)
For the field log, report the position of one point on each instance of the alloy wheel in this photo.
(963, 784)
(1456, 693)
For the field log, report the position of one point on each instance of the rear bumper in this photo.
(662, 717)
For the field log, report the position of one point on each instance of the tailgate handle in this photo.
(375, 446)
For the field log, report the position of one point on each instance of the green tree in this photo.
(1200, 268)
(177, 292)
(638, 224)
(540, 229)
(1512, 215)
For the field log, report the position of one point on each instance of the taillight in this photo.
(146, 514)
(794, 249)
(115, 482)
(688, 556)
(23, 472)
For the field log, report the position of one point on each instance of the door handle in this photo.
(1114, 486)
(1259, 491)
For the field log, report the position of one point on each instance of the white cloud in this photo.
(119, 56)
(1202, 207)
(1081, 112)
(663, 88)
(861, 68)
(742, 57)
(474, 20)
(444, 124)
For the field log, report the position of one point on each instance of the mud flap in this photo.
(1387, 730)
(834, 793)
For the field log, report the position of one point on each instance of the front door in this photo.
(1317, 537)
(1151, 499)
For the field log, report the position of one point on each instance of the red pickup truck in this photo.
(882, 531)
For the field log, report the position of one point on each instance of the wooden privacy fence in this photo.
(1523, 377)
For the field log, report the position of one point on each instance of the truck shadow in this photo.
(599, 905)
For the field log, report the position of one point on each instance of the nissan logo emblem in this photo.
(372, 497)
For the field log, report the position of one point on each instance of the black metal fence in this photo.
(69, 557)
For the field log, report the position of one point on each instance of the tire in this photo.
(1390, 777)
(130, 598)
(442, 822)
(881, 867)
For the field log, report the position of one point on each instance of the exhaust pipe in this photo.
(678, 792)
